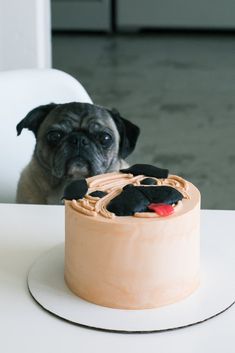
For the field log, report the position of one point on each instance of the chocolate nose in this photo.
(78, 139)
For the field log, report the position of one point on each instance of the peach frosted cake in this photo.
(132, 238)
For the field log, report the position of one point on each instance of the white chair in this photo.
(21, 91)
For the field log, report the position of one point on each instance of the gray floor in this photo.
(179, 89)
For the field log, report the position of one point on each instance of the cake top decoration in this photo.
(98, 193)
(77, 189)
(147, 170)
(137, 199)
(152, 193)
(161, 209)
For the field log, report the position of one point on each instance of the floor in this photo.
(180, 90)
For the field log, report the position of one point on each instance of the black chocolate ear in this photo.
(34, 118)
(128, 133)
(77, 189)
(147, 170)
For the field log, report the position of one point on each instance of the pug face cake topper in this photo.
(140, 191)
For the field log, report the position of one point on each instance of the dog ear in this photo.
(34, 118)
(128, 133)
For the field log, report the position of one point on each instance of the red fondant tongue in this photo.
(162, 209)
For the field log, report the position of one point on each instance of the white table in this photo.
(28, 231)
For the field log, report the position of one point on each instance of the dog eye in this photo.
(105, 139)
(53, 137)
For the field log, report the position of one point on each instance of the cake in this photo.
(132, 238)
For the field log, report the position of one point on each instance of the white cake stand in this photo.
(215, 295)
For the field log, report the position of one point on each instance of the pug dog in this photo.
(73, 140)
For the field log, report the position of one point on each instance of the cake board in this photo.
(215, 295)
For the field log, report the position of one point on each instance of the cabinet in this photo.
(190, 14)
(85, 15)
(131, 15)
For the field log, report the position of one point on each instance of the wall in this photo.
(25, 34)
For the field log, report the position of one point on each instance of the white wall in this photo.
(25, 34)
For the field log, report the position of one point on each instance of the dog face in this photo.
(79, 139)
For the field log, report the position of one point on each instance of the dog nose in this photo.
(78, 139)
